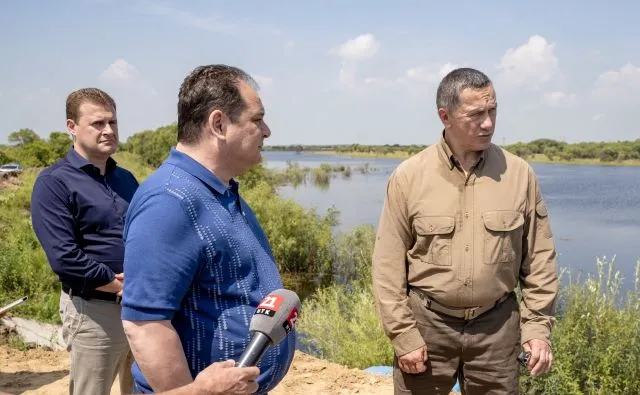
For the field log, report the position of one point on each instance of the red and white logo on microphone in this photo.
(269, 305)
(290, 322)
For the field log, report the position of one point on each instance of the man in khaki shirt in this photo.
(463, 223)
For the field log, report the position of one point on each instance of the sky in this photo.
(331, 72)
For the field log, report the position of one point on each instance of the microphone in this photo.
(274, 318)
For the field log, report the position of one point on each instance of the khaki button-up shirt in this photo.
(464, 240)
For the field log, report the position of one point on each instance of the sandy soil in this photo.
(9, 181)
(41, 372)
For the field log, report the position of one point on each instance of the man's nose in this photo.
(266, 132)
(487, 123)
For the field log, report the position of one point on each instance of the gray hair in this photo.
(448, 96)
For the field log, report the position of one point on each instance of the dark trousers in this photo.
(480, 352)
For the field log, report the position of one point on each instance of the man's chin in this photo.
(483, 143)
(108, 150)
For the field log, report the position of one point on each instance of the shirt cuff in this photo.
(408, 341)
(145, 314)
(103, 276)
(534, 331)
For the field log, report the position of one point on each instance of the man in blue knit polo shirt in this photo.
(197, 262)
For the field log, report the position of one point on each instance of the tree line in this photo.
(552, 149)
(29, 149)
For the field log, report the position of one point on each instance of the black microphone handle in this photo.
(254, 351)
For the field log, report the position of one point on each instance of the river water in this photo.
(594, 210)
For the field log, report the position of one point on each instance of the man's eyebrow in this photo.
(475, 109)
(488, 106)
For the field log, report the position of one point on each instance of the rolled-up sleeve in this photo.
(389, 269)
(538, 274)
(54, 226)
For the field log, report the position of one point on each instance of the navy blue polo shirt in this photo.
(78, 217)
(196, 255)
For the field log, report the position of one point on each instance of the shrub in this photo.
(340, 322)
(300, 239)
(596, 340)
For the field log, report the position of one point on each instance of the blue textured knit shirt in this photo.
(195, 254)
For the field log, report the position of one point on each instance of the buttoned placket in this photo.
(466, 225)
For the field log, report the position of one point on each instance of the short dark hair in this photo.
(205, 89)
(448, 96)
(83, 95)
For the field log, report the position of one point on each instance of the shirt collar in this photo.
(451, 160)
(193, 167)
(80, 162)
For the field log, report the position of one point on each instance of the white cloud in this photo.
(559, 99)
(618, 83)
(352, 52)
(362, 47)
(597, 117)
(262, 80)
(433, 76)
(530, 65)
(119, 71)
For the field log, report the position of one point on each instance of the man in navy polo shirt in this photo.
(77, 209)
(197, 262)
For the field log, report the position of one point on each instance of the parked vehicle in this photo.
(11, 168)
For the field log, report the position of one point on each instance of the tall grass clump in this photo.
(321, 176)
(596, 341)
(340, 322)
(295, 174)
(24, 270)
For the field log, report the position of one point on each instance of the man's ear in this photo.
(217, 124)
(444, 116)
(71, 128)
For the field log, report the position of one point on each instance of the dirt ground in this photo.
(9, 181)
(37, 371)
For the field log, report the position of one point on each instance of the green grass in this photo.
(340, 321)
(596, 341)
(342, 326)
(24, 270)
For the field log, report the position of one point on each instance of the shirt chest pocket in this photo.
(434, 238)
(502, 236)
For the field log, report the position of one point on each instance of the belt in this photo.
(464, 313)
(108, 296)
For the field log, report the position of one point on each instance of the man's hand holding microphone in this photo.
(274, 318)
(223, 378)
